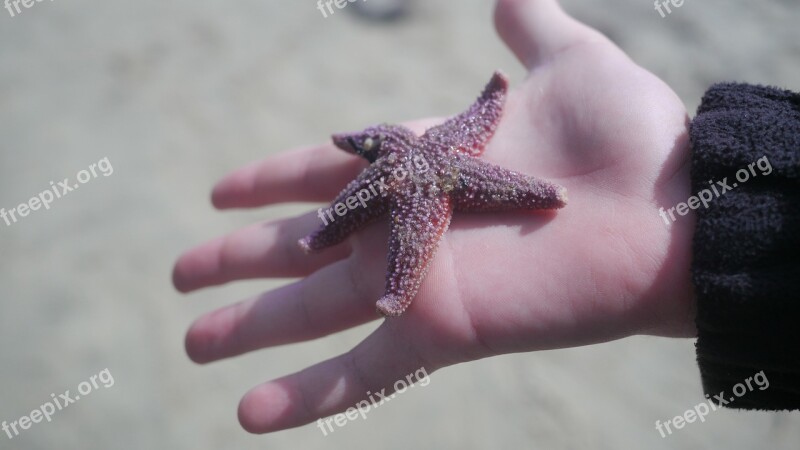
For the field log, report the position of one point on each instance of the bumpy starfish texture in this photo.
(420, 182)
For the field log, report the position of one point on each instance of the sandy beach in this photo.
(173, 95)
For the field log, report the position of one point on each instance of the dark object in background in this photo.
(381, 10)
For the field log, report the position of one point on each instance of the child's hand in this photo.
(604, 267)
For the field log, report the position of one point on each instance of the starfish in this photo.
(420, 181)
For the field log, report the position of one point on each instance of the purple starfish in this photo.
(420, 181)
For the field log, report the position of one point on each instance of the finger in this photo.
(535, 30)
(327, 301)
(309, 175)
(260, 250)
(369, 371)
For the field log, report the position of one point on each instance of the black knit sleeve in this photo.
(746, 249)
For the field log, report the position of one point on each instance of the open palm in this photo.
(604, 267)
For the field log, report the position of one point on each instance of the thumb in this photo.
(535, 30)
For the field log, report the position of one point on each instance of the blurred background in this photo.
(177, 93)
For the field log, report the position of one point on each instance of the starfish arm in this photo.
(469, 131)
(363, 200)
(485, 187)
(417, 226)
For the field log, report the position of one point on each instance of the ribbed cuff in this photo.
(746, 250)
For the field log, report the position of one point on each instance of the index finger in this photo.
(311, 174)
(308, 174)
